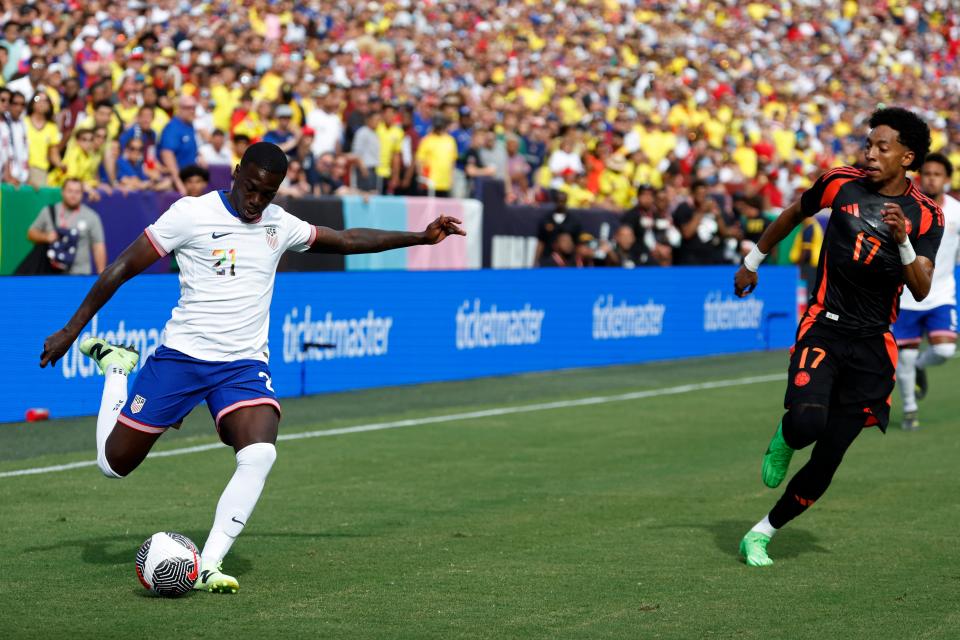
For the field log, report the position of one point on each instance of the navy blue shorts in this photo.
(171, 384)
(911, 326)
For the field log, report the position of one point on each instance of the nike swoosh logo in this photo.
(196, 566)
(242, 524)
(216, 235)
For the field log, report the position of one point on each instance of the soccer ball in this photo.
(168, 564)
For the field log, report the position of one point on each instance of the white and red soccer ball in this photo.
(168, 564)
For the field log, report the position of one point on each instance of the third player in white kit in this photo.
(936, 316)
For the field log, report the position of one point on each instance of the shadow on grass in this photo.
(121, 549)
(790, 543)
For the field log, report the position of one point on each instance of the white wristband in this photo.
(907, 254)
(753, 259)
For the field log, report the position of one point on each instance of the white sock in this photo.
(936, 354)
(765, 527)
(114, 397)
(907, 378)
(238, 500)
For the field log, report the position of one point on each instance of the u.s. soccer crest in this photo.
(272, 238)
(137, 404)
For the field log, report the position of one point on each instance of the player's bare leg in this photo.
(125, 449)
(252, 432)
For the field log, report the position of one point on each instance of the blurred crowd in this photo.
(724, 105)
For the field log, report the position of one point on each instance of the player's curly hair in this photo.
(267, 156)
(912, 131)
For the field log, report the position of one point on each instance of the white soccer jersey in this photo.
(227, 269)
(943, 289)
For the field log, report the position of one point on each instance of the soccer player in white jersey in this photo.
(214, 347)
(936, 315)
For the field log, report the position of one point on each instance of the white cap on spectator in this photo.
(185, 45)
(89, 31)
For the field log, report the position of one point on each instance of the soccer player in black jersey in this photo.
(883, 233)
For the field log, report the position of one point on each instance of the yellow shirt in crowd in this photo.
(437, 155)
(39, 142)
(617, 188)
(391, 141)
(225, 101)
(77, 164)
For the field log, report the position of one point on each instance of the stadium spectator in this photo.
(704, 229)
(552, 224)
(14, 149)
(308, 162)
(295, 183)
(390, 138)
(473, 164)
(623, 252)
(325, 121)
(517, 173)
(366, 149)
(753, 222)
(217, 152)
(30, 83)
(82, 161)
(655, 236)
(134, 174)
(283, 136)
(239, 144)
(436, 157)
(72, 105)
(15, 46)
(72, 215)
(142, 129)
(563, 252)
(43, 139)
(178, 143)
(195, 179)
(328, 184)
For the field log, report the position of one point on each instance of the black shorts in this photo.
(852, 374)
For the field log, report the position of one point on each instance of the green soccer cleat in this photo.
(753, 548)
(110, 355)
(215, 581)
(776, 460)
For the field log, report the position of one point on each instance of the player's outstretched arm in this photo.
(745, 281)
(375, 240)
(134, 259)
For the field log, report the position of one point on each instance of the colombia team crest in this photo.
(802, 379)
(272, 240)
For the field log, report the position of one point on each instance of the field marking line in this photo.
(453, 417)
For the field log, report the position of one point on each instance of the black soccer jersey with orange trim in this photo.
(860, 276)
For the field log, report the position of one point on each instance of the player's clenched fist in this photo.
(894, 217)
(744, 282)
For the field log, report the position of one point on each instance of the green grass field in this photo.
(615, 519)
